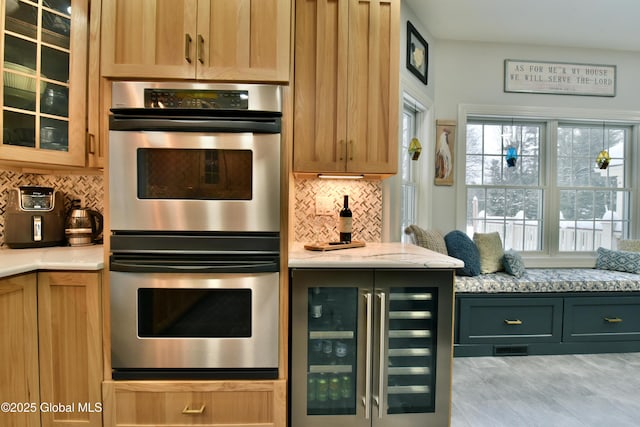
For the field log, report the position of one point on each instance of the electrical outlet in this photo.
(324, 205)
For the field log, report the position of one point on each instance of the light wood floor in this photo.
(599, 390)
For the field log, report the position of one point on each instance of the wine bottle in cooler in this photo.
(346, 222)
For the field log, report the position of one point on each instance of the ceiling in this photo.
(611, 24)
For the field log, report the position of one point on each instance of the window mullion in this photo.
(551, 198)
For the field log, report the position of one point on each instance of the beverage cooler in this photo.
(370, 347)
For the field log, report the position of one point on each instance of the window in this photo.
(544, 195)
(502, 197)
(593, 202)
(408, 167)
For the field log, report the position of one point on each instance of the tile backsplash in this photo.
(365, 202)
(88, 188)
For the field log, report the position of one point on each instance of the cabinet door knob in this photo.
(613, 320)
(189, 411)
(513, 322)
(187, 47)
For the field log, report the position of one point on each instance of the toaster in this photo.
(34, 218)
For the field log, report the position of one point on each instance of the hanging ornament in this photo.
(603, 158)
(415, 148)
(512, 156)
(510, 137)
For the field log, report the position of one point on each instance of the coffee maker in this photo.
(34, 218)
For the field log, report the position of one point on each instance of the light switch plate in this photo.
(324, 205)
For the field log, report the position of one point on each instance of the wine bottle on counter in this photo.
(346, 222)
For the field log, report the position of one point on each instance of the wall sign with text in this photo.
(562, 78)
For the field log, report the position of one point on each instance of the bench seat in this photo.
(550, 280)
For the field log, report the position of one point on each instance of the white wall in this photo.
(424, 94)
(473, 73)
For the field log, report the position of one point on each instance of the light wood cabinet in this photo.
(44, 96)
(19, 381)
(97, 123)
(69, 322)
(346, 86)
(224, 40)
(202, 403)
(52, 348)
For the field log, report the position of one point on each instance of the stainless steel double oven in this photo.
(194, 206)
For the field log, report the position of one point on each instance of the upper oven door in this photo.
(194, 181)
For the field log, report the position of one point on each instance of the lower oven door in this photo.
(194, 325)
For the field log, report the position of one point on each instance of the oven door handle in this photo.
(195, 125)
(168, 267)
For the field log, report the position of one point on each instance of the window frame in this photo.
(550, 256)
(416, 112)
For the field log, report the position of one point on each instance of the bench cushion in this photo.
(551, 280)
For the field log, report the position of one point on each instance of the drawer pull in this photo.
(189, 411)
(613, 320)
(513, 322)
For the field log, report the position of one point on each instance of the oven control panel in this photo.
(196, 98)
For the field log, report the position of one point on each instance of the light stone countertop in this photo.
(16, 261)
(373, 255)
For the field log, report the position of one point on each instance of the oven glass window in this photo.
(194, 313)
(199, 174)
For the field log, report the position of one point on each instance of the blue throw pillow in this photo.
(618, 260)
(460, 246)
(513, 263)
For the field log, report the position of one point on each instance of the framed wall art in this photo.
(559, 78)
(417, 53)
(445, 140)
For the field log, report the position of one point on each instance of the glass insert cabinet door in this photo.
(410, 352)
(332, 351)
(363, 354)
(44, 82)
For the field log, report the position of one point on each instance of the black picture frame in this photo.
(417, 53)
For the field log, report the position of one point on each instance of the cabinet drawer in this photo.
(510, 320)
(161, 403)
(602, 319)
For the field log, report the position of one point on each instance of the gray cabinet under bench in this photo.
(493, 324)
(608, 318)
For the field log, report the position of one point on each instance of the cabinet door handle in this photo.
(513, 322)
(351, 150)
(190, 411)
(200, 49)
(613, 320)
(341, 149)
(366, 399)
(382, 349)
(187, 47)
(91, 143)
